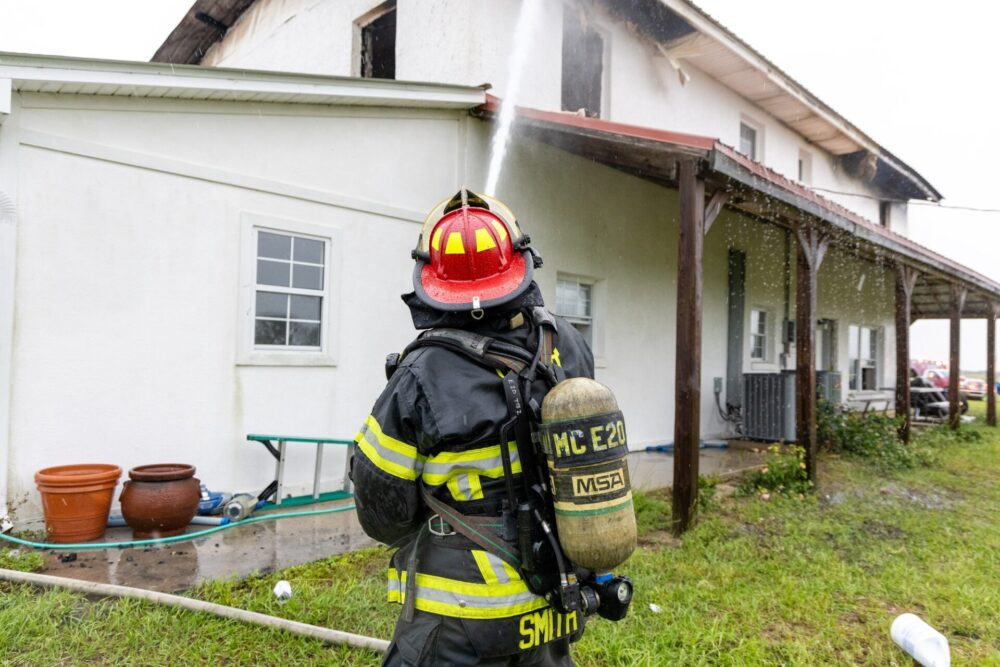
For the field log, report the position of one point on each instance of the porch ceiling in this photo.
(757, 191)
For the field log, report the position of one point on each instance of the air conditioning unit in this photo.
(769, 406)
(829, 386)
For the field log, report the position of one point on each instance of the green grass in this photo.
(793, 582)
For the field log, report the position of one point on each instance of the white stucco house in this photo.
(213, 244)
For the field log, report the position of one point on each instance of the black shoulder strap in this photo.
(481, 349)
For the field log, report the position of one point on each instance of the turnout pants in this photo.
(432, 640)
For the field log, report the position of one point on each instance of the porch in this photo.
(709, 178)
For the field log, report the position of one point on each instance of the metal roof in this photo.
(58, 74)
(757, 191)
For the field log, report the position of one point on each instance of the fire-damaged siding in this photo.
(469, 43)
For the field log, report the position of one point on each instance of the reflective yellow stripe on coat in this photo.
(390, 455)
(461, 599)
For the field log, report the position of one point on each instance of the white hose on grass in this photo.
(242, 615)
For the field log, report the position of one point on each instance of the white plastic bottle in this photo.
(922, 642)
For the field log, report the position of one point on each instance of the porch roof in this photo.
(757, 191)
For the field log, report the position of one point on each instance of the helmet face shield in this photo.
(471, 255)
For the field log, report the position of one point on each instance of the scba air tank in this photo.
(583, 436)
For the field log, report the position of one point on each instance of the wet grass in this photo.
(792, 582)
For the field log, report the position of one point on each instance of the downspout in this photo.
(8, 262)
(786, 345)
(8, 236)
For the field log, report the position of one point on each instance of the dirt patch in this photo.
(659, 539)
(880, 530)
(927, 499)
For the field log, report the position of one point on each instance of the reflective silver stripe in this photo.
(437, 467)
(389, 454)
(464, 486)
(498, 569)
(475, 601)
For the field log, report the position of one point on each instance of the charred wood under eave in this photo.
(205, 23)
(871, 169)
(650, 18)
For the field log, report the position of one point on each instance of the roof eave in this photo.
(704, 23)
(136, 79)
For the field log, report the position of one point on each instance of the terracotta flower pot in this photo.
(76, 500)
(160, 500)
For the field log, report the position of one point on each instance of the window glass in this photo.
(574, 302)
(748, 141)
(758, 334)
(863, 343)
(292, 316)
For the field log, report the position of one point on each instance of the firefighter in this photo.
(436, 431)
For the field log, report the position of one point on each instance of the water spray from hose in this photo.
(526, 22)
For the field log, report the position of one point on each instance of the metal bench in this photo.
(276, 487)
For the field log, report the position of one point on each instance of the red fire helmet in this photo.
(471, 255)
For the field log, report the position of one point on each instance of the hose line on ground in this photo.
(111, 590)
(175, 538)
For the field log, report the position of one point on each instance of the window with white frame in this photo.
(291, 287)
(575, 304)
(863, 345)
(760, 333)
(749, 138)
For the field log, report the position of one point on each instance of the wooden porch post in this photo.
(991, 357)
(958, 294)
(687, 388)
(811, 247)
(906, 279)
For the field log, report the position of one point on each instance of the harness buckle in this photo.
(442, 526)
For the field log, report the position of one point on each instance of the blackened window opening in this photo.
(378, 47)
(582, 66)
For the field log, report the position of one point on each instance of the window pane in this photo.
(852, 342)
(304, 334)
(305, 308)
(274, 245)
(270, 304)
(573, 299)
(269, 332)
(307, 277)
(873, 344)
(307, 250)
(748, 140)
(272, 273)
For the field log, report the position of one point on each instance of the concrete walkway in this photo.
(273, 545)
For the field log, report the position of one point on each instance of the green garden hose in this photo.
(175, 538)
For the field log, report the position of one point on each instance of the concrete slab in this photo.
(649, 471)
(232, 553)
(273, 545)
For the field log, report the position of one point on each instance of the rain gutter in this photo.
(8, 261)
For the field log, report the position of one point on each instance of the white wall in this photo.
(127, 304)
(127, 313)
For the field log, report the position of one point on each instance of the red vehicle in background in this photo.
(969, 387)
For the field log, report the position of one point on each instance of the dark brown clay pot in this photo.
(160, 500)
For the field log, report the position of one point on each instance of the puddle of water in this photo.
(233, 553)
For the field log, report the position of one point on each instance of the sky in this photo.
(917, 76)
